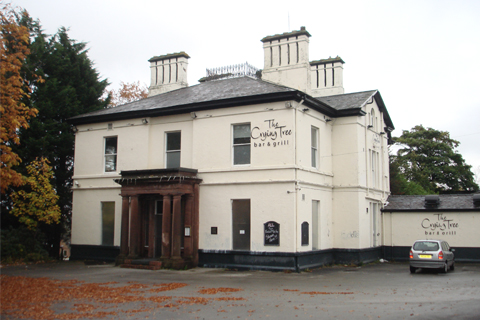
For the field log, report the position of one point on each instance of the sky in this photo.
(422, 55)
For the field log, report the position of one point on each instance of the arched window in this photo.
(372, 120)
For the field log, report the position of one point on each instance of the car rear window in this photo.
(425, 246)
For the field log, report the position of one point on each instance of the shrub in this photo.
(22, 244)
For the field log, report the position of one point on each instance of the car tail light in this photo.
(411, 254)
(440, 255)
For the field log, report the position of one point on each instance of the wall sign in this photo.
(439, 225)
(271, 231)
(270, 135)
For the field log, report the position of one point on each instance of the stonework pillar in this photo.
(134, 228)
(151, 231)
(196, 222)
(166, 227)
(188, 242)
(125, 226)
(177, 232)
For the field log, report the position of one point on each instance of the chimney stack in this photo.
(168, 72)
(327, 77)
(286, 59)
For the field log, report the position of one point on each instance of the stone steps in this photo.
(142, 264)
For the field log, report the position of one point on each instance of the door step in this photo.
(147, 264)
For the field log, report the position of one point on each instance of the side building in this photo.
(454, 218)
(282, 171)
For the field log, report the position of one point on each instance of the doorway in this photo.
(241, 224)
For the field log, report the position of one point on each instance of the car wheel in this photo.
(412, 269)
(445, 268)
(452, 267)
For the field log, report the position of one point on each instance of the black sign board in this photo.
(305, 236)
(271, 233)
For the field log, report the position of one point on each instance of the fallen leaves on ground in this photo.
(38, 298)
(320, 292)
(217, 290)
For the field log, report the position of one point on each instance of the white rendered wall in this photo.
(459, 229)
(280, 180)
(87, 215)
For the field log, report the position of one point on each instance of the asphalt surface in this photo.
(379, 290)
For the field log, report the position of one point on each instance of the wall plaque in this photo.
(271, 233)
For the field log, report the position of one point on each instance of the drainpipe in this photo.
(297, 269)
(366, 158)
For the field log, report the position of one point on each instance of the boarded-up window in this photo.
(108, 223)
(241, 224)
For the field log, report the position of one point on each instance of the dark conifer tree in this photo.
(71, 87)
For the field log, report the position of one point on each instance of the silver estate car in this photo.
(435, 254)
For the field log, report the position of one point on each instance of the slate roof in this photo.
(357, 100)
(228, 93)
(448, 202)
(349, 100)
(206, 95)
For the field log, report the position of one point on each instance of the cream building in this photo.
(454, 218)
(282, 172)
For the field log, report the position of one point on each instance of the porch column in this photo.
(166, 226)
(177, 232)
(196, 222)
(125, 222)
(188, 241)
(151, 229)
(134, 228)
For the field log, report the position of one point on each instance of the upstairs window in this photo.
(173, 149)
(111, 154)
(314, 147)
(374, 163)
(241, 144)
(373, 120)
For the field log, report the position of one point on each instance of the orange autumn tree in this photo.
(37, 201)
(14, 113)
(128, 92)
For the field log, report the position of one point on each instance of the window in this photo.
(314, 133)
(315, 224)
(374, 206)
(173, 149)
(374, 164)
(241, 144)
(111, 154)
(372, 120)
(108, 223)
(305, 236)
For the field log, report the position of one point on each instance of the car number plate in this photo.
(425, 256)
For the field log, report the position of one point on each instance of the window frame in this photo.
(249, 144)
(373, 122)
(375, 168)
(173, 151)
(314, 155)
(105, 154)
(107, 230)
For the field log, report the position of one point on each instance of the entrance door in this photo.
(241, 224)
(374, 209)
(158, 227)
